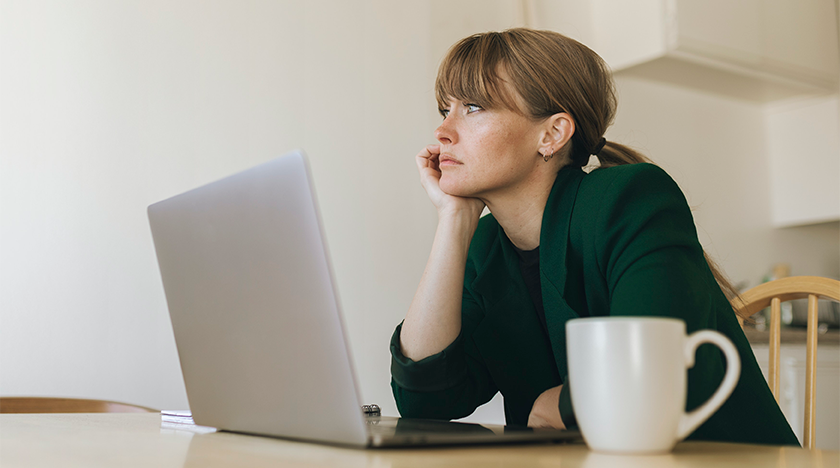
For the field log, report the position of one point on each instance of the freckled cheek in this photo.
(498, 145)
(494, 144)
(504, 149)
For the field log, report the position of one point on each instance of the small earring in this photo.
(546, 157)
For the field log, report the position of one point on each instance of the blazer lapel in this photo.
(554, 240)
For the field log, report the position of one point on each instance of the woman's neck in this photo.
(520, 211)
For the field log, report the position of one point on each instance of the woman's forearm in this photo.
(434, 318)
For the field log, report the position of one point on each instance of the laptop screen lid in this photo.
(253, 306)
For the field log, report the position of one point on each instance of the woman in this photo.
(522, 112)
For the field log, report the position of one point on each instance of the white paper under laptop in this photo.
(257, 322)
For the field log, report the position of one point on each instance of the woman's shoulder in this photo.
(626, 173)
(617, 183)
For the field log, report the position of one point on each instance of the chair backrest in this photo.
(772, 294)
(66, 405)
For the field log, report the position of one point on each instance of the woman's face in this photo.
(485, 152)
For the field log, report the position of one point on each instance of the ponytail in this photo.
(616, 154)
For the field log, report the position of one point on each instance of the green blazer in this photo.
(617, 241)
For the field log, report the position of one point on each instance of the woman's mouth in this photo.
(446, 160)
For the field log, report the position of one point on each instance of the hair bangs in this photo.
(470, 72)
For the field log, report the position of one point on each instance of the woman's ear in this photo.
(558, 130)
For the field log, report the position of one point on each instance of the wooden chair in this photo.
(772, 294)
(66, 405)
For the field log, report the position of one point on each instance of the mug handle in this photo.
(690, 421)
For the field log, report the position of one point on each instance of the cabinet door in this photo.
(788, 36)
(626, 34)
(726, 29)
(801, 35)
(759, 50)
(803, 148)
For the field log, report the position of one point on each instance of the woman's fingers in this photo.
(428, 157)
(429, 151)
(428, 166)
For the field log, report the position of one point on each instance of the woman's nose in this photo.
(444, 133)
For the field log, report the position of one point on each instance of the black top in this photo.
(529, 264)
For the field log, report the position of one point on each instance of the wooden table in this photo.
(126, 440)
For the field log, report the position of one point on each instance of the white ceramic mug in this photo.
(628, 381)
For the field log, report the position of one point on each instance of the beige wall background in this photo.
(107, 107)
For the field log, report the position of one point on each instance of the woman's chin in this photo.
(453, 188)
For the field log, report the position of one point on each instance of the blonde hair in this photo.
(551, 73)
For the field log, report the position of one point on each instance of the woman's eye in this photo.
(472, 108)
(444, 112)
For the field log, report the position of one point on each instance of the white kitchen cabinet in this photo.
(803, 148)
(792, 394)
(759, 50)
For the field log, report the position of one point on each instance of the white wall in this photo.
(106, 107)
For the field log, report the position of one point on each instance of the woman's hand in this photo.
(428, 164)
(546, 410)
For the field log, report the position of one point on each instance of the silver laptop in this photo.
(257, 321)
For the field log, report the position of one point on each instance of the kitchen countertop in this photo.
(792, 335)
